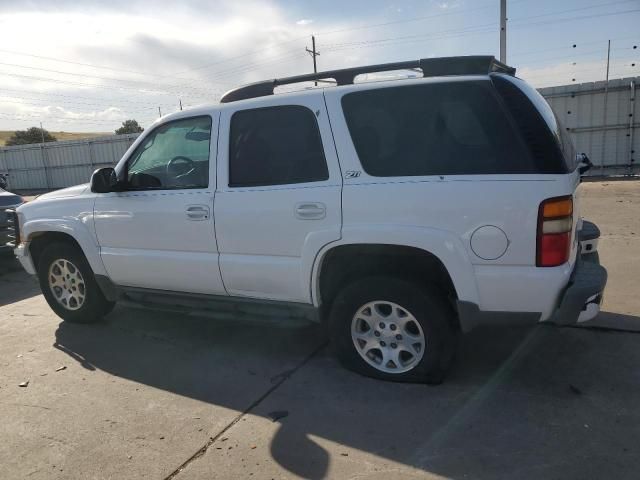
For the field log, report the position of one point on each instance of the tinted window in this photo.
(174, 155)
(275, 146)
(547, 139)
(434, 129)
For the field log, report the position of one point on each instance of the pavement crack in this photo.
(282, 378)
(26, 405)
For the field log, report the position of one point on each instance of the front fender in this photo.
(446, 246)
(79, 228)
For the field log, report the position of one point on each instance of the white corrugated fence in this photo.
(611, 141)
(53, 165)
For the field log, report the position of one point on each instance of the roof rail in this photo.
(431, 67)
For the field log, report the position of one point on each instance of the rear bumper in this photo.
(579, 299)
(583, 296)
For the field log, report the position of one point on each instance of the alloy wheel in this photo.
(387, 336)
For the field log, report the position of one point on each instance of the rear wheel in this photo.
(393, 329)
(69, 286)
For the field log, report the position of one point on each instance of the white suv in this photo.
(401, 212)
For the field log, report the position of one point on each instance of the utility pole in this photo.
(604, 110)
(503, 31)
(180, 100)
(313, 54)
(42, 132)
(159, 112)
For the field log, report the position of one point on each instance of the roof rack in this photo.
(431, 67)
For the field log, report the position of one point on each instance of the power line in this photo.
(130, 82)
(125, 100)
(53, 59)
(459, 12)
(478, 29)
(188, 87)
(59, 105)
(228, 59)
(573, 45)
(409, 20)
(94, 85)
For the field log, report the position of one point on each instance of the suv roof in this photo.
(431, 67)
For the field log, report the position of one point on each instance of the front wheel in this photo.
(393, 329)
(69, 286)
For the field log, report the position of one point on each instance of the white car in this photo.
(401, 212)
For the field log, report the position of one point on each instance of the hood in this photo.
(65, 192)
(8, 199)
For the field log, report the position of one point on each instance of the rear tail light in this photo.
(555, 221)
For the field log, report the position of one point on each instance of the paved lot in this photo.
(157, 395)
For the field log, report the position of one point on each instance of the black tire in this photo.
(427, 305)
(95, 305)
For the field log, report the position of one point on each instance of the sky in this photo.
(87, 66)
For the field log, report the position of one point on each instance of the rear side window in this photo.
(434, 129)
(275, 146)
(546, 138)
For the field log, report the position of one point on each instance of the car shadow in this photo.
(15, 283)
(519, 403)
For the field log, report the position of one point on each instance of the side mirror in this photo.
(584, 164)
(103, 180)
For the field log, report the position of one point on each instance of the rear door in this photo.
(278, 196)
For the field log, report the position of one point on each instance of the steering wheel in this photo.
(180, 166)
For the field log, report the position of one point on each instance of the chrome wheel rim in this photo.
(388, 337)
(67, 284)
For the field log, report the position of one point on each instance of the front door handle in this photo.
(310, 211)
(197, 212)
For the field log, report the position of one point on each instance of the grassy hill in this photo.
(5, 135)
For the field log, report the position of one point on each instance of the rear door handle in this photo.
(197, 212)
(310, 210)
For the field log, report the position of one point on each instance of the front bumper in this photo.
(5, 236)
(22, 254)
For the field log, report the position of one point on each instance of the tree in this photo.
(129, 126)
(32, 135)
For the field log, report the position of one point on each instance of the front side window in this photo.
(174, 155)
(453, 128)
(275, 146)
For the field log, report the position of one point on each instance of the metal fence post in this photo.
(632, 117)
(92, 161)
(44, 166)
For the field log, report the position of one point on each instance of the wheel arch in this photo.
(443, 256)
(40, 234)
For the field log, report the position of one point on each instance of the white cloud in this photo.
(304, 21)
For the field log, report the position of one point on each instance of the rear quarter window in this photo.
(454, 128)
(545, 136)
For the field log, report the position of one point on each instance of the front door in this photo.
(159, 231)
(278, 196)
